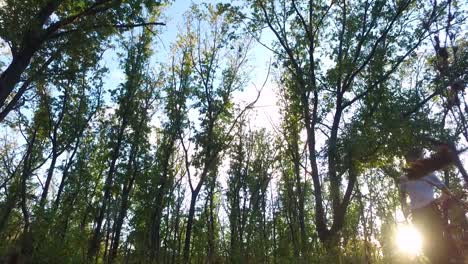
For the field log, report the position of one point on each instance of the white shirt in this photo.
(421, 191)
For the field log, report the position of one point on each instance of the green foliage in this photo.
(166, 167)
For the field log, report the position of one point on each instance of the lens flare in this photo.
(409, 240)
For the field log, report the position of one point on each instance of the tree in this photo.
(212, 92)
(134, 99)
(159, 187)
(358, 34)
(251, 167)
(40, 32)
(237, 194)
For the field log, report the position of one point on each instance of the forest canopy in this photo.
(140, 131)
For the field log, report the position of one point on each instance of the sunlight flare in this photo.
(408, 239)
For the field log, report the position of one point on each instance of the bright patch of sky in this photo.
(5, 55)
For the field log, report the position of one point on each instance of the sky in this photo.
(266, 112)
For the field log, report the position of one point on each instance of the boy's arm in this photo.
(434, 180)
(403, 202)
(446, 193)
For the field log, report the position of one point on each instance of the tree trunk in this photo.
(188, 232)
(27, 240)
(95, 240)
(11, 76)
(211, 224)
(123, 207)
(50, 173)
(157, 215)
(17, 189)
(65, 175)
(177, 237)
(106, 243)
(30, 44)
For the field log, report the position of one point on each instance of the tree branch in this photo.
(121, 26)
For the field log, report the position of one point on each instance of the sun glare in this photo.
(408, 239)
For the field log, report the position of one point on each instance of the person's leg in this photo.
(454, 233)
(429, 223)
